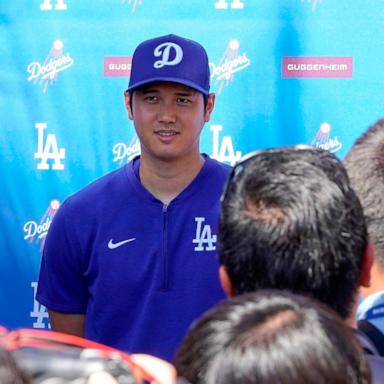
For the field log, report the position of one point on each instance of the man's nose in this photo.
(167, 113)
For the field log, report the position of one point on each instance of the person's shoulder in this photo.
(217, 166)
(374, 300)
(376, 363)
(106, 187)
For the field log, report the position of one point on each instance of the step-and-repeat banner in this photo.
(284, 72)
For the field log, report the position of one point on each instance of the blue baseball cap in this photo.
(170, 58)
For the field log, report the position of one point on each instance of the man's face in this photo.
(168, 119)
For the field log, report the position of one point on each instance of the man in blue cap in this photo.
(130, 261)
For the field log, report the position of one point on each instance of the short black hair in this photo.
(291, 221)
(365, 167)
(271, 337)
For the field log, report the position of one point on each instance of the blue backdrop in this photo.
(284, 71)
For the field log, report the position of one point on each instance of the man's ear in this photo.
(209, 107)
(127, 99)
(226, 282)
(366, 265)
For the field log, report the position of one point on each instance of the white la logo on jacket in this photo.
(204, 236)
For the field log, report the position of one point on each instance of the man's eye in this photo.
(183, 100)
(151, 99)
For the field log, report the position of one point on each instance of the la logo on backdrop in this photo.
(46, 73)
(47, 149)
(223, 151)
(39, 312)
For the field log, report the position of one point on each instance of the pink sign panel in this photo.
(119, 66)
(310, 66)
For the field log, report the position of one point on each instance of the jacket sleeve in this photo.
(62, 285)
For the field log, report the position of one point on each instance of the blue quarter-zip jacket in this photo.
(140, 271)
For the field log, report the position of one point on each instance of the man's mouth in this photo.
(166, 133)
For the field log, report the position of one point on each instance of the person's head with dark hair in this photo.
(365, 166)
(271, 337)
(167, 66)
(290, 220)
(10, 372)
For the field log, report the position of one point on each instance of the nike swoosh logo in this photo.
(112, 245)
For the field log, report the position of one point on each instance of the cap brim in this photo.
(170, 79)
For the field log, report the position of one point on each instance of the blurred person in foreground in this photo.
(10, 372)
(271, 337)
(290, 220)
(365, 166)
(47, 357)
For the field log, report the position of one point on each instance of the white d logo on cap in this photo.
(164, 51)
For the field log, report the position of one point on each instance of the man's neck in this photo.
(166, 179)
(351, 321)
(377, 280)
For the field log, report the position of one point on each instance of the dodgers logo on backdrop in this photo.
(60, 5)
(126, 152)
(36, 231)
(231, 62)
(224, 151)
(312, 3)
(133, 3)
(204, 239)
(171, 54)
(224, 4)
(39, 312)
(324, 141)
(48, 150)
(46, 73)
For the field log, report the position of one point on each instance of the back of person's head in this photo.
(290, 220)
(271, 337)
(365, 166)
